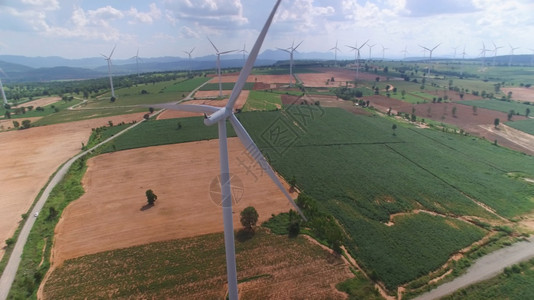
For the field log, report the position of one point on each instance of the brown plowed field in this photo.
(31, 156)
(171, 114)
(110, 216)
(340, 76)
(40, 102)
(521, 94)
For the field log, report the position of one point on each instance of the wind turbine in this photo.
(2, 89)
(404, 52)
(291, 50)
(218, 53)
(483, 54)
(495, 48)
(108, 58)
(137, 61)
(454, 48)
(219, 116)
(384, 52)
(336, 49)
(463, 58)
(370, 50)
(189, 55)
(244, 51)
(430, 57)
(357, 52)
(512, 49)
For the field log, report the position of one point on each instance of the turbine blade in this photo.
(295, 48)
(213, 45)
(285, 50)
(363, 44)
(247, 68)
(226, 52)
(186, 107)
(111, 54)
(256, 154)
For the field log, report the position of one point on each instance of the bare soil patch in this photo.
(6, 124)
(109, 216)
(40, 102)
(508, 137)
(31, 156)
(521, 94)
(172, 114)
(320, 78)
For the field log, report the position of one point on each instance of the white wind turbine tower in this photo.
(483, 54)
(2, 89)
(336, 49)
(512, 49)
(495, 48)
(218, 53)
(405, 51)
(357, 53)
(430, 57)
(190, 57)
(370, 50)
(108, 58)
(384, 52)
(244, 51)
(463, 58)
(219, 116)
(137, 61)
(454, 55)
(291, 50)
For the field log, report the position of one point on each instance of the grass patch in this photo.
(358, 288)
(262, 100)
(502, 106)
(66, 116)
(225, 86)
(523, 125)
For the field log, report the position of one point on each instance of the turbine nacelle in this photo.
(214, 118)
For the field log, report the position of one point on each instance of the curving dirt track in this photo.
(110, 215)
(31, 156)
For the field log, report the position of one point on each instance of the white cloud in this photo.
(145, 17)
(215, 14)
(304, 16)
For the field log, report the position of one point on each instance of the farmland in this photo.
(267, 268)
(262, 100)
(497, 105)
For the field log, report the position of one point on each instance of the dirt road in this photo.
(485, 268)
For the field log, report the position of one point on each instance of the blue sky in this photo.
(86, 28)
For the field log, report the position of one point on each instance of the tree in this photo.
(292, 182)
(26, 124)
(151, 197)
(496, 122)
(249, 217)
(454, 111)
(151, 109)
(403, 93)
(527, 112)
(394, 126)
(474, 110)
(16, 124)
(510, 115)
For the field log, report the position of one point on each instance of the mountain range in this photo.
(31, 69)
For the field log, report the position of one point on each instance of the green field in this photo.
(262, 100)
(48, 110)
(523, 125)
(502, 106)
(226, 86)
(362, 173)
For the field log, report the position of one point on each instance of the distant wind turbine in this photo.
(244, 51)
(291, 50)
(483, 54)
(137, 61)
(454, 48)
(190, 58)
(218, 53)
(108, 58)
(405, 51)
(495, 48)
(463, 58)
(336, 49)
(219, 116)
(384, 52)
(2, 89)
(512, 49)
(370, 50)
(430, 57)
(357, 54)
